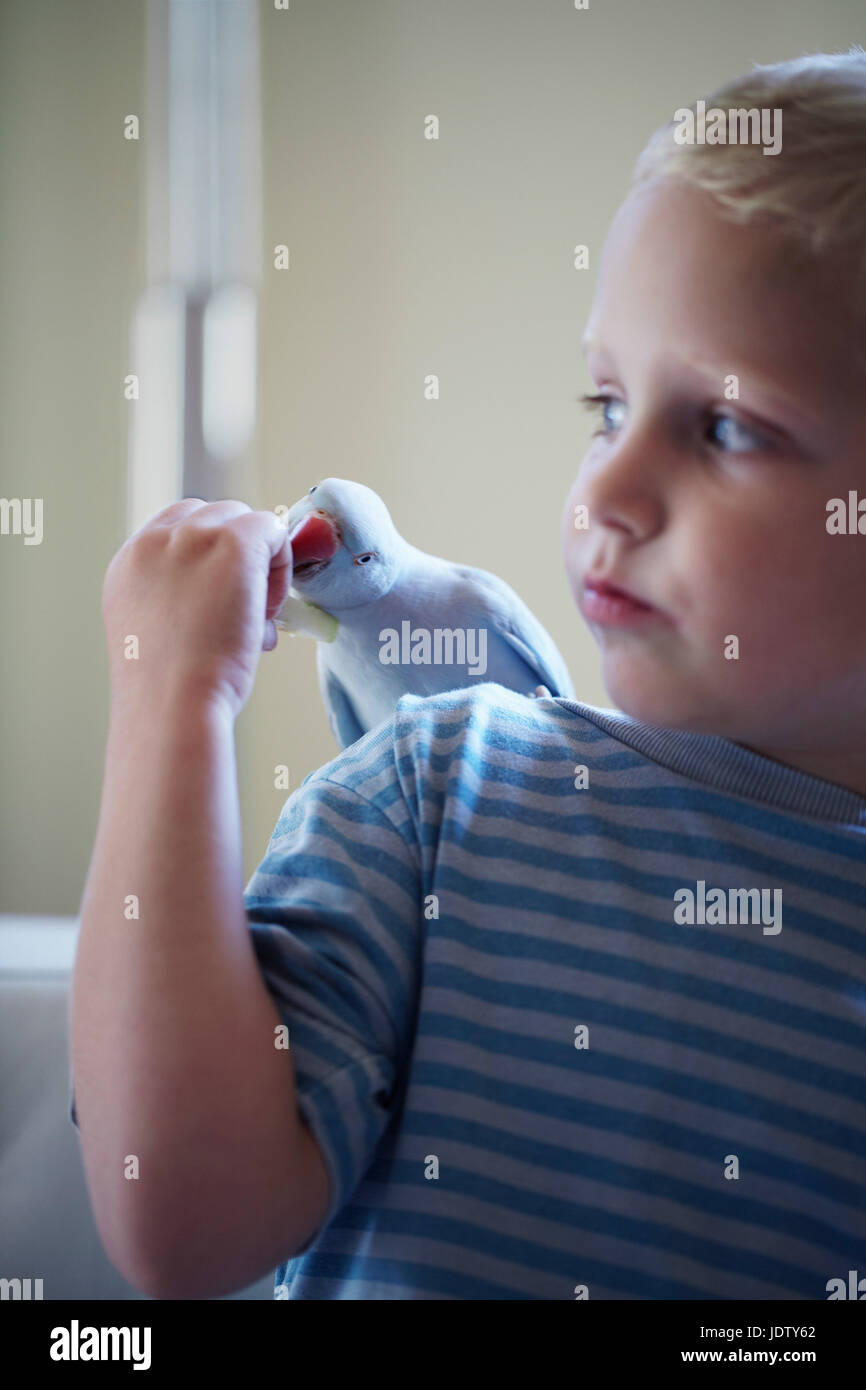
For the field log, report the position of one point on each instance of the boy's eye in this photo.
(731, 435)
(735, 437)
(605, 405)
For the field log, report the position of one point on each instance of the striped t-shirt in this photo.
(577, 1008)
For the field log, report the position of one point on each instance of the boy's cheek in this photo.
(572, 531)
(800, 588)
(755, 646)
(575, 552)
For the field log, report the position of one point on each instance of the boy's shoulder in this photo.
(431, 744)
(492, 714)
(488, 705)
(485, 707)
(428, 737)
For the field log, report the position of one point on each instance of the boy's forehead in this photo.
(677, 275)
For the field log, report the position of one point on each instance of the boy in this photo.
(575, 999)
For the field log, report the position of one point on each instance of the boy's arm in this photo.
(172, 1027)
(200, 1171)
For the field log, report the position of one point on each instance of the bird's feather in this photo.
(506, 612)
(342, 718)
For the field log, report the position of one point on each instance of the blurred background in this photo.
(153, 156)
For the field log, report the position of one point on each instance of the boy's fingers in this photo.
(192, 511)
(271, 532)
(174, 512)
(218, 513)
(268, 528)
(262, 530)
(279, 584)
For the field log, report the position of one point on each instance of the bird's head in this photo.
(346, 550)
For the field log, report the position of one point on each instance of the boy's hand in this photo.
(198, 587)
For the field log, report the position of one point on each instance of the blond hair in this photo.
(814, 189)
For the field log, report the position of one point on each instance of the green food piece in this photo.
(300, 618)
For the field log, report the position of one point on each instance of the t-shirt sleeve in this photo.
(335, 915)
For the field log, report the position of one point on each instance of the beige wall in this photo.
(408, 257)
(69, 267)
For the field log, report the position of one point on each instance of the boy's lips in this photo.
(609, 604)
(606, 586)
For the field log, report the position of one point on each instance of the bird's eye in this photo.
(365, 558)
(313, 489)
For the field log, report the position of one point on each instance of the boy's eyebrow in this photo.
(781, 399)
(778, 398)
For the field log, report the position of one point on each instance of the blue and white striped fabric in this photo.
(444, 918)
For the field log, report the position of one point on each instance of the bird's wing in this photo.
(552, 673)
(508, 615)
(341, 715)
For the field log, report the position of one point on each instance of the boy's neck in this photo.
(846, 770)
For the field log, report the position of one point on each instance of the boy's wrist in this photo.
(176, 702)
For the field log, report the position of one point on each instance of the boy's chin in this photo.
(665, 704)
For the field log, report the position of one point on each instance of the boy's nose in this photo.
(623, 486)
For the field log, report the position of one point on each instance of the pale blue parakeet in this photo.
(406, 621)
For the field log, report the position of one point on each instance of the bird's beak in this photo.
(314, 541)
